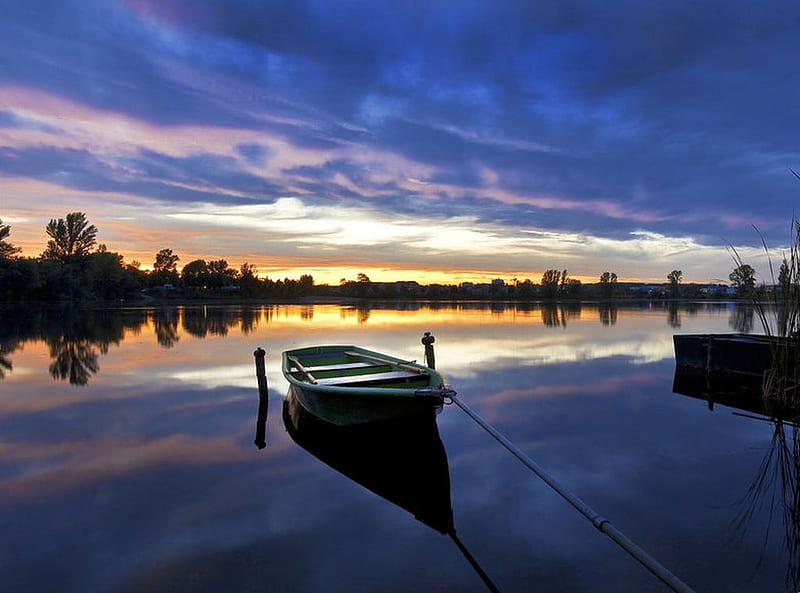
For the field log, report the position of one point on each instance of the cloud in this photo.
(578, 118)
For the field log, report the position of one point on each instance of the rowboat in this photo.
(347, 385)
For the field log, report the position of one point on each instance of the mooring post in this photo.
(261, 372)
(263, 399)
(430, 358)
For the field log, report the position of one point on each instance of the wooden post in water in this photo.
(430, 358)
(263, 398)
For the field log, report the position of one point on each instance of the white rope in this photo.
(650, 563)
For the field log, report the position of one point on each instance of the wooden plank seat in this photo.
(371, 378)
(340, 367)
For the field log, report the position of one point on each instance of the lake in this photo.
(128, 463)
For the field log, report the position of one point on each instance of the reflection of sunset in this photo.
(581, 387)
(160, 436)
(189, 338)
(69, 465)
(196, 360)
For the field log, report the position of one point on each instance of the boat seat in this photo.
(339, 367)
(370, 378)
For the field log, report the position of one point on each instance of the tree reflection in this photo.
(75, 337)
(74, 359)
(673, 315)
(203, 321)
(249, 322)
(553, 316)
(5, 361)
(741, 319)
(165, 325)
(608, 313)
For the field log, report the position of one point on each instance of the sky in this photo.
(438, 141)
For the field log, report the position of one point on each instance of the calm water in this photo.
(127, 461)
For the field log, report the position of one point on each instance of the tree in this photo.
(743, 279)
(608, 283)
(573, 287)
(785, 277)
(106, 277)
(675, 277)
(219, 274)
(6, 248)
(550, 282)
(195, 273)
(248, 279)
(165, 268)
(306, 283)
(70, 238)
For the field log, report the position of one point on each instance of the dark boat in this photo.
(744, 355)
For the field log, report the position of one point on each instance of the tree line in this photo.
(73, 266)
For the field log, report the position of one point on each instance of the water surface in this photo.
(127, 456)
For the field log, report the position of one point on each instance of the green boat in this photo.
(347, 385)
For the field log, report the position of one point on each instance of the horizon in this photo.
(452, 142)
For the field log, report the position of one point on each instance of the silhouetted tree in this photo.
(249, 283)
(675, 277)
(6, 248)
(573, 287)
(608, 284)
(19, 278)
(743, 279)
(219, 274)
(550, 283)
(306, 284)
(195, 273)
(70, 237)
(165, 268)
(525, 290)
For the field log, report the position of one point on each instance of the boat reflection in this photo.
(744, 392)
(775, 485)
(412, 473)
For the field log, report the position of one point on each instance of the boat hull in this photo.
(743, 355)
(346, 385)
(348, 410)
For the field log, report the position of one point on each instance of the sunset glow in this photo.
(478, 143)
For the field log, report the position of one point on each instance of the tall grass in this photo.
(779, 312)
(778, 481)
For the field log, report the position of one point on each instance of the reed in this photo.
(779, 312)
